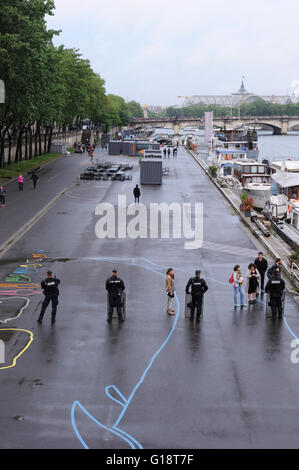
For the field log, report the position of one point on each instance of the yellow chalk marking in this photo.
(35, 265)
(23, 350)
(29, 285)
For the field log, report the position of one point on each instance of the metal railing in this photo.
(295, 270)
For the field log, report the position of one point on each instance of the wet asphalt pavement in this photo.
(23, 205)
(225, 383)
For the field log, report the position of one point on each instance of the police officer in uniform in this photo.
(198, 289)
(115, 288)
(275, 288)
(51, 292)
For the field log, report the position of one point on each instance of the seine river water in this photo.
(272, 147)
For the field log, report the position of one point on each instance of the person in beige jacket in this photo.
(170, 290)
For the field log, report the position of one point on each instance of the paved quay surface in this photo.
(23, 205)
(225, 383)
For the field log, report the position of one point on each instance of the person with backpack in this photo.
(236, 280)
(2, 196)
(198, 289)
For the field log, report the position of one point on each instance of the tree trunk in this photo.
(30, 143)
(35, 141)
(50, 139)
(26, 143)
(40, 150)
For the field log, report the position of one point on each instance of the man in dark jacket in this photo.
(275, 287)
(137, 193)
(275, 268)
(262, 265)
(51, 292)
(115, 287)
(198, 289)
(34, 178)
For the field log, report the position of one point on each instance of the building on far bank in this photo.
(236, 99)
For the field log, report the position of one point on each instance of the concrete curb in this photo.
(29, 224)
(243, 219)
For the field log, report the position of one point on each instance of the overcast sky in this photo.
(152, 52)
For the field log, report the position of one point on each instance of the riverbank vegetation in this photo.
(15, 169)
(47, 87)
(257, 108)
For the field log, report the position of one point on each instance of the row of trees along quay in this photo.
(47, 88)
(258, 108)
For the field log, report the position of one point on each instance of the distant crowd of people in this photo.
(167, 151)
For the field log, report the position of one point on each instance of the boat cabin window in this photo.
(253, 169)
(261, 169)
(247, 169)
(227, 171)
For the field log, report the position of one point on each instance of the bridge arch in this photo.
(293, 124)
(276, 129)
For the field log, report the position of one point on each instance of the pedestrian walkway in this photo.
(21, 206)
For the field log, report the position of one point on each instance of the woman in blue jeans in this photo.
(238, 286)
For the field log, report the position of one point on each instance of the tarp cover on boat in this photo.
(286, 179)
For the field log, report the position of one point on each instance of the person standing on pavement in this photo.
(115, 287)
(34, 178)
(168, 152)
(21, 182)
(252, 282)
(237, 281)
(275, 267)
(262, 265)
(2, 196)
(137, 193)
(164, 151)
(198, 289)
(170, 291)
(51, 292)
(275, 288)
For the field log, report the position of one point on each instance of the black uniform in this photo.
(115, 287)
(262, 266)
(275, 288)
(51, 292)
(198, 289)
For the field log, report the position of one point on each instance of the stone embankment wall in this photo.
(59, 137)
